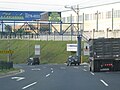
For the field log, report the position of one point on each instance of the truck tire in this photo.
(90, 68)
(67, 64)
(111, 69)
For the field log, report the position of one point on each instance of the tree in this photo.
(8, 28)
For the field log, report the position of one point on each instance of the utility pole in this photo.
(79, 34)
(8, 46)
(112, 19)
(97, 17)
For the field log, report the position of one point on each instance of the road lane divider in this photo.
(104, 83)
(62, 68)
(51, 71)
(76, 67)
(84, 70)
(17, 78)
(92, 73)
(36, 69)
(47, 75)
(29, 85)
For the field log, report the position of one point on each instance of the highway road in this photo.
(60, 77)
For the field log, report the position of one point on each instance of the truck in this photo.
(104, 54)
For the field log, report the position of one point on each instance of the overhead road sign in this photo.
(19, 15)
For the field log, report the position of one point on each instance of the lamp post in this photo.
(79, 36)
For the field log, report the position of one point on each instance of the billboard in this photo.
(19, 15)
(51, 16)
(29, 15)
(37, 50)
(55, 16)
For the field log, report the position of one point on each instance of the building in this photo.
(99, 18)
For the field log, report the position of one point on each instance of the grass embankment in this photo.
(8, 71)
(51, 51)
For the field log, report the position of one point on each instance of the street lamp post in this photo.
(79, 36)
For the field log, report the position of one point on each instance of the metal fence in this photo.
(46, 37)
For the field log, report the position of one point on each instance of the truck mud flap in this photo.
(95, 66)
(116, 66)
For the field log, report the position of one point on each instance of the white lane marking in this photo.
(104, 82)
(29, 85)
(85, 66)
(62, 68)
(19, 72)
(92, 73)
(47, 75)
(84, 70)
(65, 63)
(51, 71)
(36, 69)
(76, 67)
(18, 78)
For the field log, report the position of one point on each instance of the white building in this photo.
(98, 18)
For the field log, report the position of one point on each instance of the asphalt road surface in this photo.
(60, 77)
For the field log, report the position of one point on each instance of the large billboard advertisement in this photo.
(29, 15)
(55, 16)
(20, 15)
(51, 16)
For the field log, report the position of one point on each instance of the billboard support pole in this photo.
(2, 26)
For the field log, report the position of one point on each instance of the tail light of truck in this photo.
(109, 65)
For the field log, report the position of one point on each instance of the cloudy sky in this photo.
(47, 5)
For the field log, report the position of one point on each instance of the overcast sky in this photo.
(47, 5)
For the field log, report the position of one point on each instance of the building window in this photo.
(73, 18)
(108, 14)
(116, 14)
(63, 19)
(90, 18)
(81, 17)
(86, 17)
(101, 15)
(94, 16)
(68, 19)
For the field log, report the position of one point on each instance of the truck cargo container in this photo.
(104, 53)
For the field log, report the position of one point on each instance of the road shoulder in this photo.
(11, 73)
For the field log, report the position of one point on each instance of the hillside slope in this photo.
(51, 51)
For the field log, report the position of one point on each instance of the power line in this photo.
(100, 5)
(31, 3)
(94, 6)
